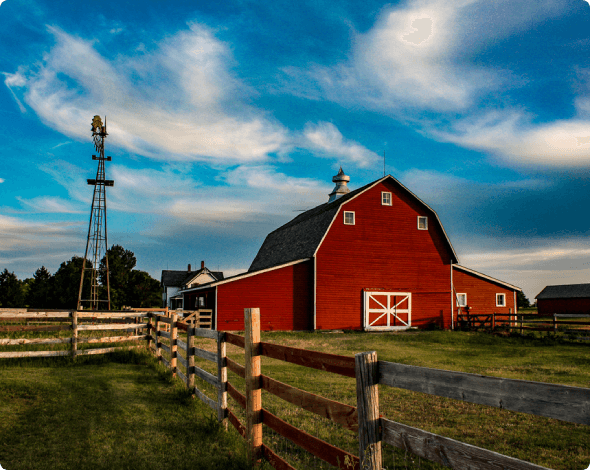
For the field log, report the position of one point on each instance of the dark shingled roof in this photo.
(179, 278)
(300, 238)
(566, 291)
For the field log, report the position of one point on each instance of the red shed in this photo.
(376, 258)
(564, 299)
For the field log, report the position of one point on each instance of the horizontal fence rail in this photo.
(542, 399)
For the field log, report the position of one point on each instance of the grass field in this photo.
(120, 411)
(127, 414)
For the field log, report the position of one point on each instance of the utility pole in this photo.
(96, 243)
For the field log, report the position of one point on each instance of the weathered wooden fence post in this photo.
(554, 323)
(173, 343)
(190, 358)
(253, 390)
(74, 333)
(521, 321)
(157, 339)
(493, 321)
(222, 377)
(367, 398)
(150, 330)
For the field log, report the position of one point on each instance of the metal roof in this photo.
(302, 236)
(485, 276)
(565, 291)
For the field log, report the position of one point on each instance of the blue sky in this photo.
(227, 118)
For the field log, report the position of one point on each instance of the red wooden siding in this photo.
(569, 306)
(481, 293)
(384, 250)
(284, 296)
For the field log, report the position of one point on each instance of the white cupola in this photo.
(341, 187)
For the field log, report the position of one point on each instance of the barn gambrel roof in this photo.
(566, 291)
(301, 237)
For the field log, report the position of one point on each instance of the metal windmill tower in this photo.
(96, 244)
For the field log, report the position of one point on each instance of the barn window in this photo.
(385, 199)
(348, 218)
(461, 300)
(422, 223)
(500, 300)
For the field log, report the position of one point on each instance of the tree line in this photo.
(129, 287)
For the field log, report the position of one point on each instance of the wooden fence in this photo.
(79, 323)
(522, 322)
(560, 402)
(571, 404)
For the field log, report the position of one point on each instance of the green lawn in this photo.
(120, 411)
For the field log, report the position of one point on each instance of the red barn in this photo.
(564, 299)
(376, 258)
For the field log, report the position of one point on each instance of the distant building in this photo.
(567, 298)
(174, 281)
(376, 258)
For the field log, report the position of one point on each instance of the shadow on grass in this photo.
(123, 411)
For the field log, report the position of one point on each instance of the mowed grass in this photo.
(547, 442)
(119, 411)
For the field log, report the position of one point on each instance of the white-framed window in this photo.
(348, 218)
(461, 300)
(500, 300)
(422, 223)
(385, 198)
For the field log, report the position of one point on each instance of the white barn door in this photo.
(387, 310)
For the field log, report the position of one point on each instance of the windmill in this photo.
(96, 243)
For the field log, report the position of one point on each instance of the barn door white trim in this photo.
(389, 309)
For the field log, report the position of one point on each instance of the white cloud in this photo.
(17, 234)
(180, 102)
(1, 180)
(512, 137)
(47, 204)
(325, 138)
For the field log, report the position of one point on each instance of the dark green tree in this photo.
(40, 289)
(121, 264)
(67, 283)
(143, 290)
(522, 301)
(11, 291)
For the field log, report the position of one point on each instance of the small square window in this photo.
(348, 218)
(500, 300)
(461, 300)
(385, 199)
(422, 223)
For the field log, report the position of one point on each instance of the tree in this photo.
(522, 301)
(40, 289)
(11, 292)
(67, 283)
(121, 264)
(143, 290)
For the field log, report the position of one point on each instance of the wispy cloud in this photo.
(46, 204)
(326, 139)
(1, 180)
(180, 102)
(516, 141)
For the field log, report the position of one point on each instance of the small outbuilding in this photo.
(564, 299)
(173, 282)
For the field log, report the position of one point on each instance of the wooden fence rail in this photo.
(71, 320)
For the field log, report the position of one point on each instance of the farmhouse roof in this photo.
(180, 278)
(566, 291)
(301, 237)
